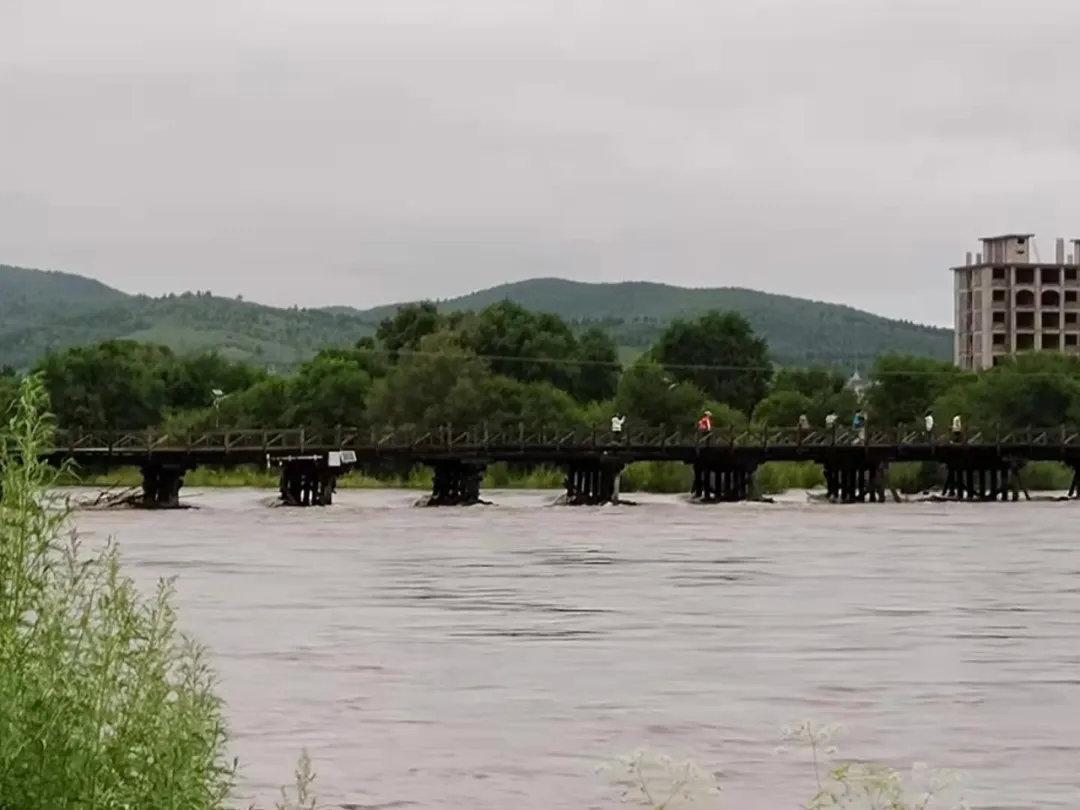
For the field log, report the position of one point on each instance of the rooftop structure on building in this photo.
(1008, 300)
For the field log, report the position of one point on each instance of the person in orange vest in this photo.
(704, 424)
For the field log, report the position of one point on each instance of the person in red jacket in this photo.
(704, 424)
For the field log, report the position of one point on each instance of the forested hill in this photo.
(41, 310)
(798, 330)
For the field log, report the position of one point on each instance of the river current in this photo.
(491, 658)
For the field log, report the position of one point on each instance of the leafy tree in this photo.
(825, 391)
(409, 326)
(811, 382)
(598, 374)
(1040, 389)
(720, 354)
(267, 404)
(332, 390)
(648, 395)
(524, 345)
(782, 408)
(904, 387)
(114, 385)
(190, 381)
(417, 390)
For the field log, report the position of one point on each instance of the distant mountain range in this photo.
(41, 311)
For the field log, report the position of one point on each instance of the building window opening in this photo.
(999, 338)
(1050, 341)
(1025, 298)
(1070, 296)
(1025, 320)
(1070, 318)
(1051, 298)
(1025, 342)
(1025, 275)
(1070, 340)
(1050, 275)
(999, 317)
(1051, 320)
(1070, 275)
(999, 274)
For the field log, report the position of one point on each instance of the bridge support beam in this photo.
(1074, 487)
(714, 483)
(307, 482)
(988, 481)
(161, 485)
(456, 482)
(593, 482)
(855, 483)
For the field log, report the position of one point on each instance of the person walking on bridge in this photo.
(617, 422)
(858, 424)
(957, 429)
(704, 424)
(803, 427)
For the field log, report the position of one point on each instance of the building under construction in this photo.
(1009, 300)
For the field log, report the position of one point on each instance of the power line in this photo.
(559, 361)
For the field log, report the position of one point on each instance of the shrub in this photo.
(103, 703)
(670, 477)
(776, 477)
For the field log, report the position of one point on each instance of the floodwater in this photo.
(490, 658)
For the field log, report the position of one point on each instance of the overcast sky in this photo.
(366, 151)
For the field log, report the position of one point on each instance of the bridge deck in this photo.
(231, 448)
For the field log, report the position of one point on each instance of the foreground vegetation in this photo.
(103, 702)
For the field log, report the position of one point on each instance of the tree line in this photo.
(504, 365)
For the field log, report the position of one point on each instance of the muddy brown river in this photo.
(491, 658)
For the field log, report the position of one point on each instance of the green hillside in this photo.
(29, 298)
(635, 312)
(40, 311)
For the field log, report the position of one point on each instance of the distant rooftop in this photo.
(1007, 236)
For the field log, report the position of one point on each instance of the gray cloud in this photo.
(342, 152)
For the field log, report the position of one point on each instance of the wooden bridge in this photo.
(981, 464)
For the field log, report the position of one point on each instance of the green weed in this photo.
(103, 702)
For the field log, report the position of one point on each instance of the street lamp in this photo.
(218, 396)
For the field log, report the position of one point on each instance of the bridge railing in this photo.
(519, 435)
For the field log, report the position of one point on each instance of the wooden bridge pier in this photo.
(1074, 487)
(715, 483)
(983, 481)
(161, 484)
(592, 482)
(855, 483)
(307, 481)
(456, 482)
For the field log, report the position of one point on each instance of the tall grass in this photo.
(103, 702)
(670, 477)
(776, 477)
(1045, 475)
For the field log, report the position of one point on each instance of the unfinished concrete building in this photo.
(1008, 300)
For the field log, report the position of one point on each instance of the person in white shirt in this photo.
(928, 420)
(617, 423)
(957, 428)
(830, 420)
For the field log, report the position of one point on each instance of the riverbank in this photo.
(658, 477)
